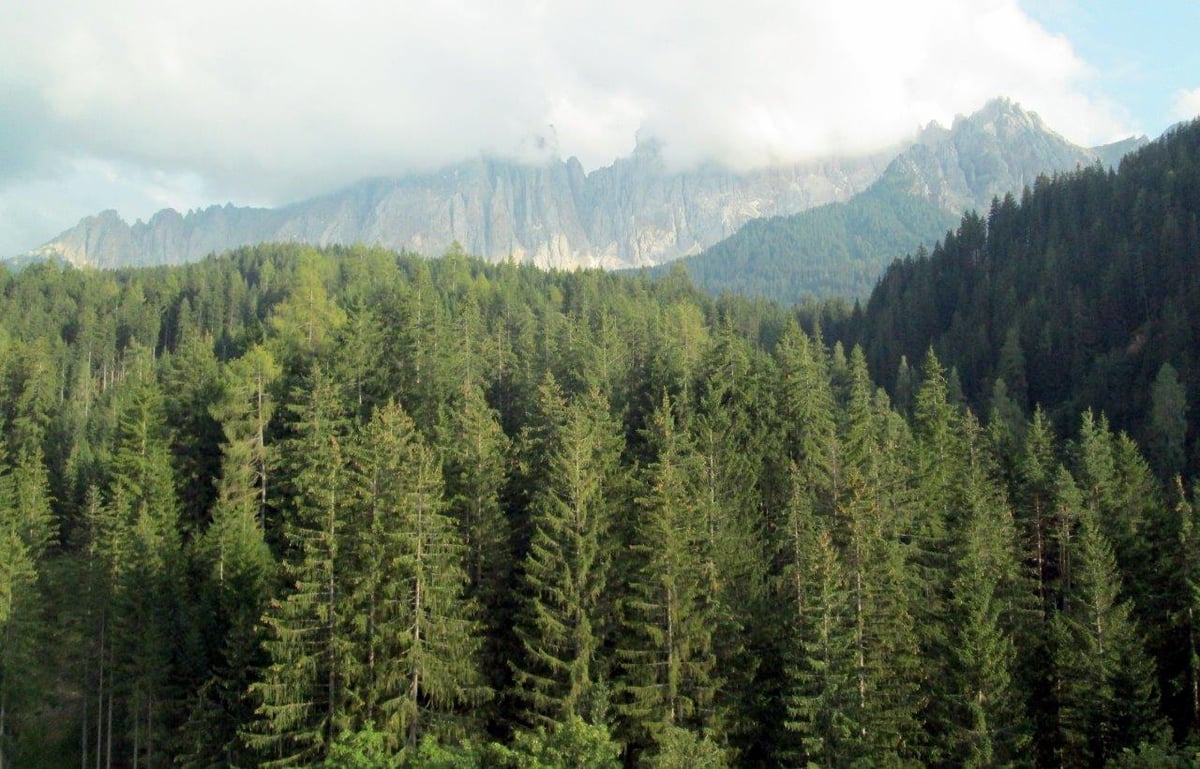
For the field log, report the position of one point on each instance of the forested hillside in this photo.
(1084, 294)
(838, 249)
(347, 508)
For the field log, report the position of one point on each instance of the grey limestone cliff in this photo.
(999, 149)
(635, 212)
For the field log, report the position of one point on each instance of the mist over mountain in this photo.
(636, 212)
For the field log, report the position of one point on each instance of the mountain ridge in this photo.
(842, 248)
(632, 213)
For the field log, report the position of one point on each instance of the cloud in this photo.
(1187, 104)
(272, 100)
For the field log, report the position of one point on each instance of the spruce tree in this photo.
(822, 704)
(26, 531)
(302, 692)
(668, 666)
(1106, 684)
(240, 568)
(415, 629)
(147, 590)
(987, 611)
(565, 573)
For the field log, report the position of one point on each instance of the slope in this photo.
(1076, 296)
(841, 248)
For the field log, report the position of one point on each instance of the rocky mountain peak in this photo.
(636, 212)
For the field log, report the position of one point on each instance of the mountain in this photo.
(841, 248)
(638, 212)
(1076, 295)
(633, 213)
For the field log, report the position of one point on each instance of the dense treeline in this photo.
(349, 508)
(1085, 294)
(835, 250)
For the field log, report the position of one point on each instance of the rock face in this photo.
(634, 213)
(997, 150)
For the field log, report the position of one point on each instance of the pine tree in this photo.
(934, 513)
(987, 727)
(302, 693)
(821, 700)
(1106, 684)
(26, 531)
(240, 568)
(414, 624)
(735, 582)
(476, 463)
(806, 409)
(668, 670)
(147, 590)
(565, 572)
(887, 677)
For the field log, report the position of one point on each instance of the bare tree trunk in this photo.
(83, 732)
(100, 700)
(108, 748)
(150, 731)
(136, 733)
(3, 710)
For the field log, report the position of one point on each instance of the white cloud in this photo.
(1187, 104)
(274, 99)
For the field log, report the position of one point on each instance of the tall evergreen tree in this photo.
(302, 693)
(565, 572)
(240, 568)
(476, 464)
(26, 531)
(823, 707)
(668, 665)
(1106, 684)
(147, 610)
(412, 620)
(987, 611)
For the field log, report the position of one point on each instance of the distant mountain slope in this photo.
(635, 212)
(835, 250)
(842, 248)
(1075, 295)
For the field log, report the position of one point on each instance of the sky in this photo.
(139, 105)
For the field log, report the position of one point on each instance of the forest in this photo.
(353, 508)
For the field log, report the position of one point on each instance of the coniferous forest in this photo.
(351, 508)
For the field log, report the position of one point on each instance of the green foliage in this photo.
(572, 742)
(365, 748)
(1082, 288)
(680, 748)
(837, 249)
(431, 754)
(228, 541)
(667, 657)
(566, 569)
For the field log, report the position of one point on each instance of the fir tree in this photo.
(302, 692)
(668, 663)
(1106, 684)
(414, 625)
(565, 573)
